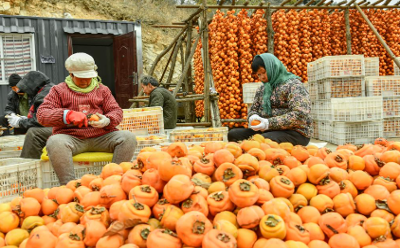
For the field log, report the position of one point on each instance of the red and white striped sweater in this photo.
(61, 97)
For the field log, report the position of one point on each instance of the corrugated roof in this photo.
(92, 27)
(15, 25)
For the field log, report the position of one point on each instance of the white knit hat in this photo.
(82, 65)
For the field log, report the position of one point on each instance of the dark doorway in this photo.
(115, 57)
(125, 68)
(102, 50)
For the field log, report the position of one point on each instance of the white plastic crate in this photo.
(340, 87)
(391, 106)
(396, 68)
(371, 66)
(340, 66)
(311, 69)
(10, 154)
(18, 175)
(168, 131)
(200, 135)
(391, 127)
(148, 119)
(350, 109)
(312, 90)
(249, 107)
(383, 86)
(148, 141)
(81, 168)
(12, 142)
(315, 134)
(324, 129)
(249, 91)
(355, 133)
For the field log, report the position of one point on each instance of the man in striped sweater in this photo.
(66, 108)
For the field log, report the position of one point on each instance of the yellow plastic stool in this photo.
(85, 156)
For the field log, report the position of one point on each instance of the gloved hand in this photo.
(254, 117)
(103, 122)
(263, 126)
(24, 117)
(77, 118)
(13, 120)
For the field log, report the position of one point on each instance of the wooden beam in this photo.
(311, 2)
(343, 2)
(270, 30)
(234, 120)
(205, 57)
(192, 16)
(194, 124)
(377, 2)
(363, 1)
(166, 66)
(159, 56)
(173, 61)
(397, 3)
(386, 2)
(284, 2)
(348, 33)
(167, 26)
(298, 2)
(288, 7)
(329, 3)
(365, 4)
(371, 26)
(351, 2)
(233, 4)
(179, 84)
(321, 3)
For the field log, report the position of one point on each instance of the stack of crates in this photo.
(147, 124)
(341, 110)
(388, 87)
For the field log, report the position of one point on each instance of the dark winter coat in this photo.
(32, 83)
(13, 103)
(162, 97)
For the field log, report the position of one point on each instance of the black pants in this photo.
(4, 123)
(291, 136)
(35, 141)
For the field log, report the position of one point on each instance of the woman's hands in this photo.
(263, 126)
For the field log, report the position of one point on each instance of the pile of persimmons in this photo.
(252, 194)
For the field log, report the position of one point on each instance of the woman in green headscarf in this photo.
(281, 107)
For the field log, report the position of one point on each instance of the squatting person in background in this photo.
(161, 97)
(66, 108)
(281, 107)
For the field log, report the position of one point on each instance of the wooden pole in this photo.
(288, 7)
(348, 33)
(195, 124)
(371, 26)
(204, 36)
(166, 66)
(191, 107)
(377, 2)
(270, 30)
(159, 56)
(173, 62)
(179, 83)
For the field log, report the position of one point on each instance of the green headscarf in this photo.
(277, 74)
(93, 84)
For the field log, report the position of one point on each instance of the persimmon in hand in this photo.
(255, 123)
(93, 117)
